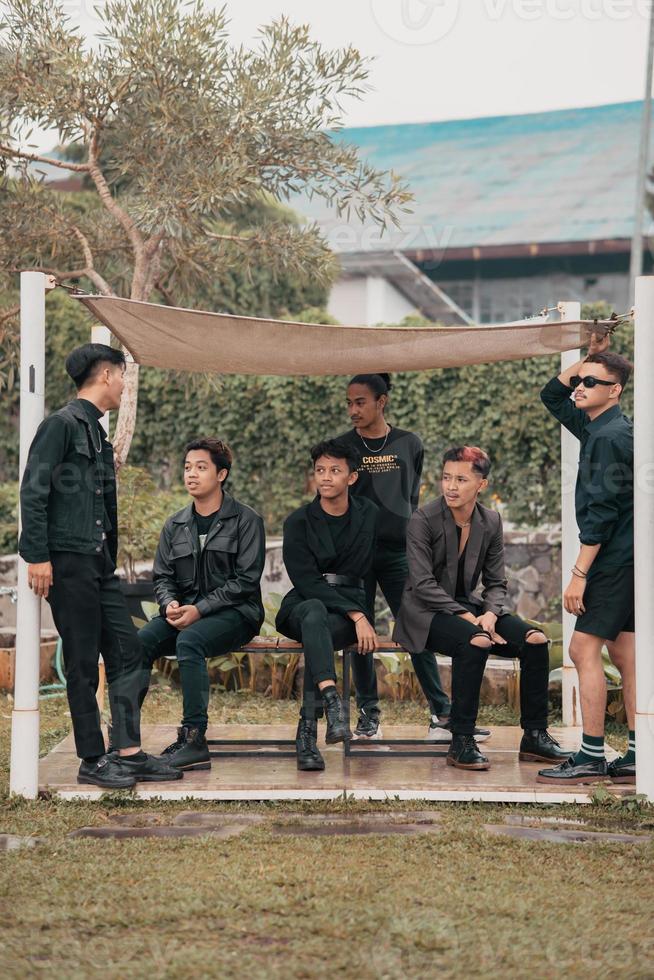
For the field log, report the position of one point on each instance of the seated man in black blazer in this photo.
(451, 543)
(328, 549)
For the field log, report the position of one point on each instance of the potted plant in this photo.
(142, 511)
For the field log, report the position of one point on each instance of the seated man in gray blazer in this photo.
(451, 543)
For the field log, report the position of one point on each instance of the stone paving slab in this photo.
(562, 836)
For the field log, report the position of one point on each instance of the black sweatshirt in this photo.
(389, 475)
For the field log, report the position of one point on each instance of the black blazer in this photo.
(309, 552)
(433, 558)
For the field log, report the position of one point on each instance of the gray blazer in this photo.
(433, 557)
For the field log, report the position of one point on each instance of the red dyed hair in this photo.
(480, 460)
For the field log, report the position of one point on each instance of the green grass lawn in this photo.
(457, 903)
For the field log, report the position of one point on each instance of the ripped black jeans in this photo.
(450, 635)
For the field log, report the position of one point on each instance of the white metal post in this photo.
(644, 531)
(569, 538)
(24, 772)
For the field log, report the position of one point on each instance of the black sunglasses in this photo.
(588, 382)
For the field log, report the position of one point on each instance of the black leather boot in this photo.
(309, 758)
(190, 751)
(464, 754)
(337, 729)
(539, 746)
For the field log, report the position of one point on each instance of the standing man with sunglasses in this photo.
(601, 588)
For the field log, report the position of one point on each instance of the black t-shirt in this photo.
(460, 592)
(338, 528)
(203, 524)
(389, 474)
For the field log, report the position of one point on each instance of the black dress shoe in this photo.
(149, 769)
(622, 772)
(309, 758)
(538, 745)
(107, 772)
(568, 772)
(190, 751)
(337, 730)
(464, 754)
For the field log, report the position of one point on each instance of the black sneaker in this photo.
(368, 724)
(149, 769)
(190, 751)
(107, 772)
(570, 772)
(464, 754)
(440, 731)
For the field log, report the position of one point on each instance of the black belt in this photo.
(331, 579)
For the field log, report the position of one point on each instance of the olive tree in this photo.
(173, 130)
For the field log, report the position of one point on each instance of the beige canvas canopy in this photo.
(191, 340)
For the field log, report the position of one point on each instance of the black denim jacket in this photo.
(68, 491)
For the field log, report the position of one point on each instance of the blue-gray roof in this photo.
(561, 176)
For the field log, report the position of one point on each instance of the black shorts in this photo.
(609, 602)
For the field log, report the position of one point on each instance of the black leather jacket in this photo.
(226, 572)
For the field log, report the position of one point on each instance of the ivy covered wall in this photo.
(271, 422)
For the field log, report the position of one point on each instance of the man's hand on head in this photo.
(184, 616)
(39, 578)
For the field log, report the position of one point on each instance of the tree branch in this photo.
(165, 292)
(109, 201)
(90, 272)
(62, 164)
(8, 314)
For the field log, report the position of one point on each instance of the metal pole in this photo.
(636, 263)
(644, 531)
(571, 709)
(24, 771)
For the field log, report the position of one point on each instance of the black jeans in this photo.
(91, 617)
(390, 570)
(320, 632)
(211, 636)
(451, 635)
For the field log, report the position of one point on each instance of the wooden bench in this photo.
(260, 645)
(227, 747)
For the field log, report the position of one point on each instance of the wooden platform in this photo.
(377, 777)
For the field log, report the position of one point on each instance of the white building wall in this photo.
(366, 301)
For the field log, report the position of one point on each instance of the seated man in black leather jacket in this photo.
(328, 550)
(206, 578)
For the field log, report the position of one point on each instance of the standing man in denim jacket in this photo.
(69, 539)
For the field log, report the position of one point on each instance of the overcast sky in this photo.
(449, 59)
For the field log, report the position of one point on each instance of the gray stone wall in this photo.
(533, 559)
